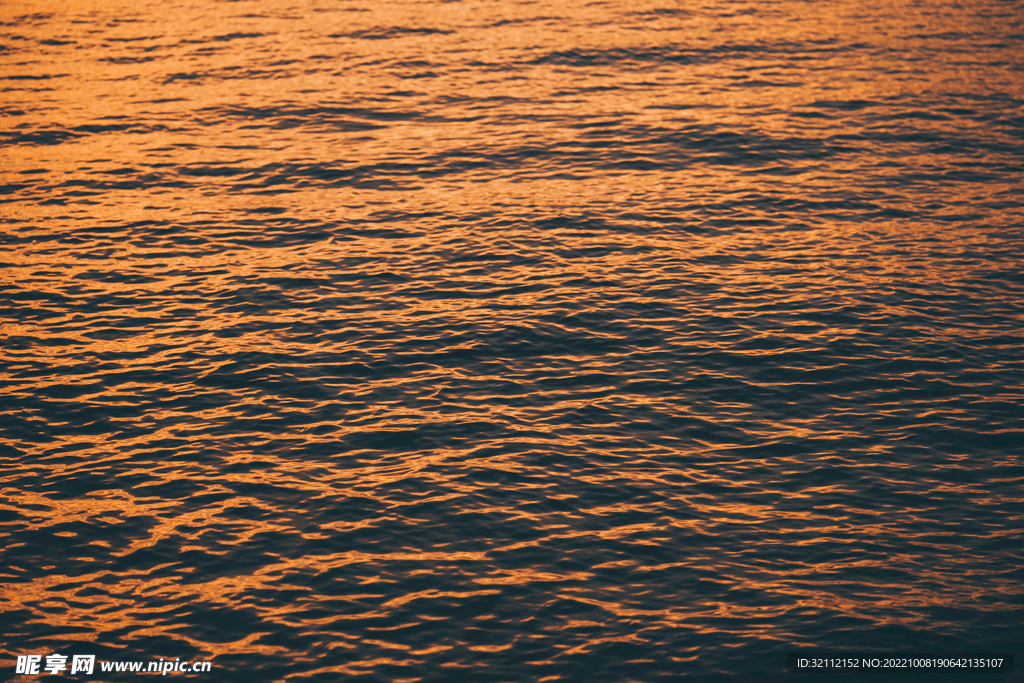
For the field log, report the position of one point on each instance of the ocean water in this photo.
(510, 341)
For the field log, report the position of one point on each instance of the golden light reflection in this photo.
(428, 299)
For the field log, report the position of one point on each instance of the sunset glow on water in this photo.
(510, 341)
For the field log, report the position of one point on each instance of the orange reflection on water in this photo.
(430, 297)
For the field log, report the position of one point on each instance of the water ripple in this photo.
(469, 341)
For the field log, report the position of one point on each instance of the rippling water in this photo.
(511, 341)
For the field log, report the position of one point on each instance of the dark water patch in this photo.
(314, 114)
(684, 55)
(33, 77)
(385, 33)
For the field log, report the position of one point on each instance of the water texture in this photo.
(511, 341)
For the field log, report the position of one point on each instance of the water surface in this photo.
(511, 341)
